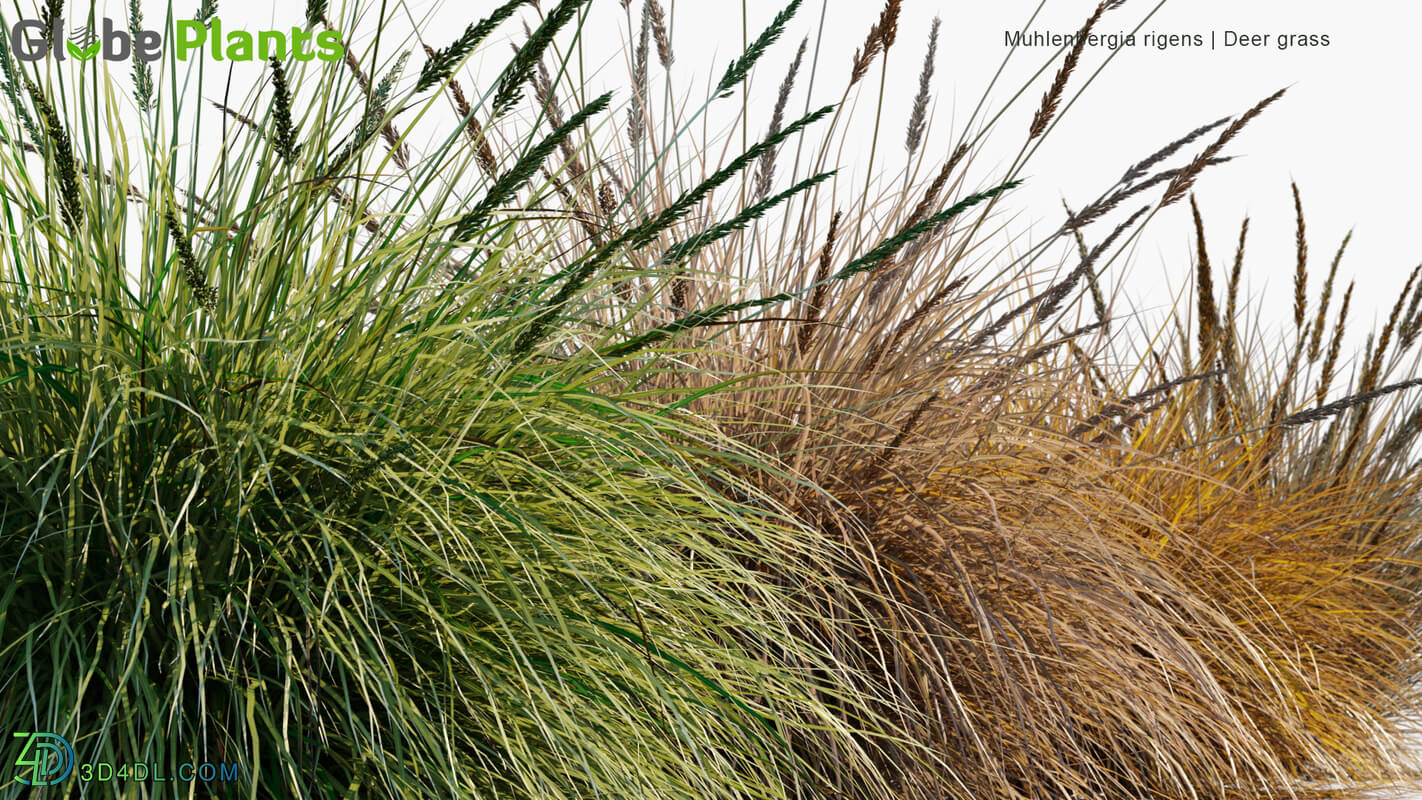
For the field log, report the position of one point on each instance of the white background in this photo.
(1347, 131)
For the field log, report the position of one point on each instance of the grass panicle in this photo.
(766, 173)
(740, 67)
(1300, 263)
(1181, 182)
(196, 280)
(1326, 297)
(316, 11)
(637, 111)
(142, 72)
(660, 33)
(442, 63)
(284, 135)
(881, 35)
(1052, 98)
(1206, 311)
(918, 117)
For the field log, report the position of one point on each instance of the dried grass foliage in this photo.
(1090, 586)
(1171, 602)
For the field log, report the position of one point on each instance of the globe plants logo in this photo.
(32, 40)
(45, 758)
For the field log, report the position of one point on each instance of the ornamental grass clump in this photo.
(1080, 589)
(310, 467)
(1303, 528)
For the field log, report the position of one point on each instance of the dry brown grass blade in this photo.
(877, 354)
